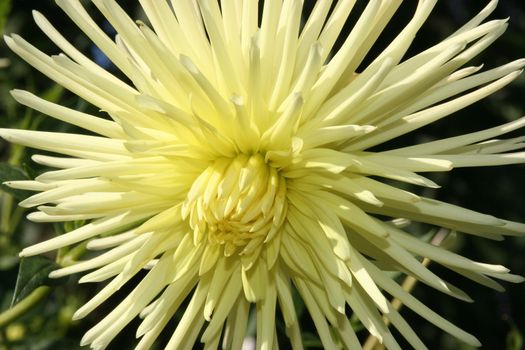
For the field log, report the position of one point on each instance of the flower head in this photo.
(236, 166)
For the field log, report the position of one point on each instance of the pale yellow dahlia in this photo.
(235, 166)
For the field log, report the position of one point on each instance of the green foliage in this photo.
(12, 173)
(33, 273)
(5, 9)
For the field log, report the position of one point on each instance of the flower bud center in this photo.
(237, 202)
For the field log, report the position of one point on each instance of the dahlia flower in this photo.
(236, 164)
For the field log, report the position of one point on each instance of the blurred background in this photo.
(497, 319)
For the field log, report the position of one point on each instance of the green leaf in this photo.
(11, 173)
(33, 273)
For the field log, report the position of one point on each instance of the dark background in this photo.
(497, 319)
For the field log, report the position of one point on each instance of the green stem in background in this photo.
(71, 256)
(16, 217)
(24, 305)
(7, 206)
(372, 343)
(10, 216)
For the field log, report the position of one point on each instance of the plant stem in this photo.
(7, 206)
(72, 255)
(24, 305)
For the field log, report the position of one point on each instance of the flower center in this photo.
(237, 202)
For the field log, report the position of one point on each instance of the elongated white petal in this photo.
(65, 143)
(90, 230)
(86, 121)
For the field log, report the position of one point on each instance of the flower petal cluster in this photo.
(236, 164)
